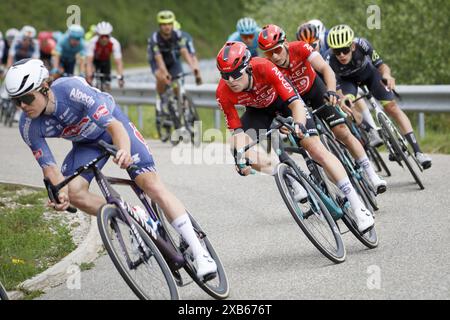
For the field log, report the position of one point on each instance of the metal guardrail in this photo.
(416, 98)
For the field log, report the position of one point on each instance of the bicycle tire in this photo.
(222, 290)
(176, 124)
(334, 148)
(369, 239)
(379, 160)
(384, 122)
(3, 294)
(340, 254)
(191, 117)
(105, 217)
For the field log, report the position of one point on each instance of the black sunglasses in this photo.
(236, 74)
(27, 99)
(345, 50)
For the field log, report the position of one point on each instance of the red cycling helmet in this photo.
(271, 37)
(232, 59)
(307, 32)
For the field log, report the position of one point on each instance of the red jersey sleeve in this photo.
(228, 108)
(282, 86)
(303, 50)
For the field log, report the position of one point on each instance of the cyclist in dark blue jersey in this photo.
(165, 48)
(355, 62)
(71, 109)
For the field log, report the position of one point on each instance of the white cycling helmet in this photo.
(319, 25)
(25, 76)
(11, 33)
(104, 28)
(28, 31)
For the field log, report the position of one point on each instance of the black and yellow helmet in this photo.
(340, 36)
(165, 17)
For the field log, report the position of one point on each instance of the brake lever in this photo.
(52, 193)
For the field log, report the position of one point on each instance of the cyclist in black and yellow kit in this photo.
(355, 62)
(165, 48)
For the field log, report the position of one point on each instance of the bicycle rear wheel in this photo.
(218, 287)
(313, 216)
(376, 158)
(190, 115)
(147, 274)
(386, 125)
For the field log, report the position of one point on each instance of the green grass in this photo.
(437, 132)
(87, 266)
(29, 244)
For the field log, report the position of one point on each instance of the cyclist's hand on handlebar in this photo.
(64, 202)
(300, 130)
(168, 79)
(123, 159)
(331, 98)
(389, 82)
(346, 106)
(121, 83)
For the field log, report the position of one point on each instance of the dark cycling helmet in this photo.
(307, 32)
(234, 56)
(271, 37)
(340, 36)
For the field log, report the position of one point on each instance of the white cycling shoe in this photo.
(380, 185)
(206, 267)
(364, 219)
(300, 194)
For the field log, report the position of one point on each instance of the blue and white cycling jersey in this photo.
(253, 48)
(82, 114)
(66, 51)
(19, 52)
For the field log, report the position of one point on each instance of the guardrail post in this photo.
(217, 117)
(125, 110)
(421, 125)
(141, 118)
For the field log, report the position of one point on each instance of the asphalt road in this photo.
(265, 254)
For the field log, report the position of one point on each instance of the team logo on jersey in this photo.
(74, 130)
(101, 112)
(79, 96)
(280, 76)
(38, 154)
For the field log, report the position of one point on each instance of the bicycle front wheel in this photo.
(312, 216)
(218, 287)
(138, 261)
(386, 125)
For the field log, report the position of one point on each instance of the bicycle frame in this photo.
(173, 257)
(283, 156)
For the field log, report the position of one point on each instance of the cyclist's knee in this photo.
(317, 151)
(151, 185)
(391, 107)
(342, 133)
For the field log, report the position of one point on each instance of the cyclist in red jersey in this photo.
(99, 51)
(258, 84)
(298, 62)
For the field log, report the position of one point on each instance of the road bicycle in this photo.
(178, 112)
(317, 215)
(396, 144)
(358, 177)
(148, 253)
(102, 81)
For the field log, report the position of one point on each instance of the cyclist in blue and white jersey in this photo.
(25, 45)
(247, 31)
(70, 109)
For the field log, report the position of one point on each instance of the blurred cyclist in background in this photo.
(70, 46)
(99, 51)
(91, 33)
(247, 32)
(8, 40)
(191, 49)
(24, 46)
(46, 44)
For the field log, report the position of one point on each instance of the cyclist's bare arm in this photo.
(121, 140)
(89, 68)
(324, 68)
(386, 74)
(162, 67)
(188, 58)
(82, 64)
(119, 67)
(9, 62)
(56, 60)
